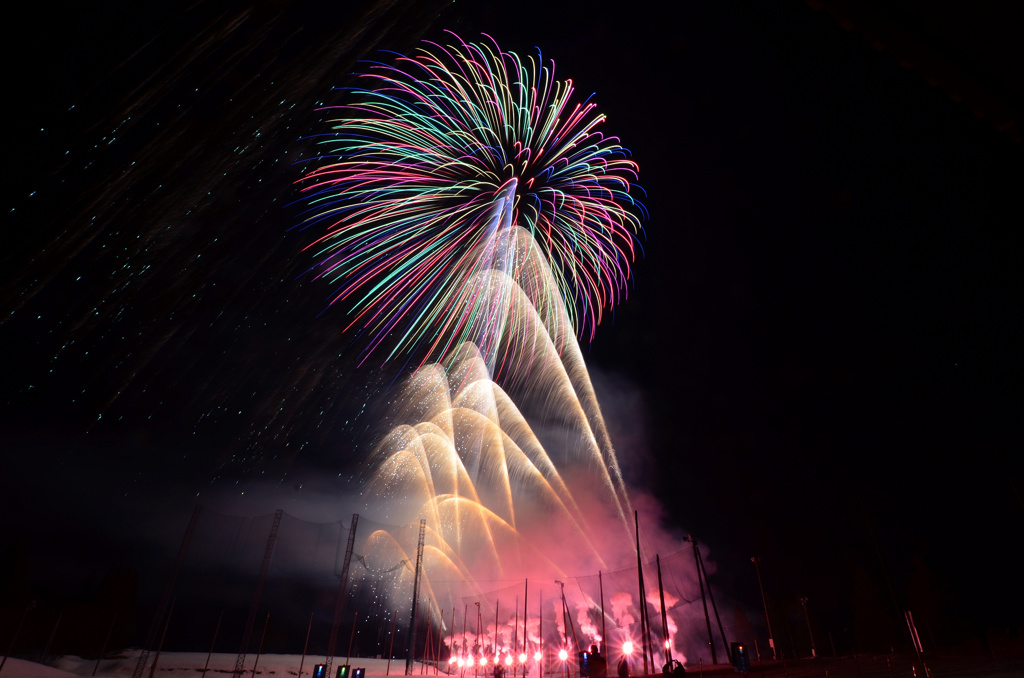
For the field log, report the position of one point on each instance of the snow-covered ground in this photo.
(173, 664)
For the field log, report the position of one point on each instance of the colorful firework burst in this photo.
(427, 177)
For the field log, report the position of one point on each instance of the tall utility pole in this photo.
(714, 608)
(216, 632)
(451, 636)
(771, 642)
(664, 616)
(352, 637)
(479, 646)
(339, 602)
(165, 598)
(567, 619)
(415, 596)
(515, 634)
(305, 646)
(803, 601)
(103, 650)
(703, 598)
(604, 629)
(391, 645)
(160, 645)
(526, 598)
(540, 633)
(497, 604)
(260, 583)
(260, 650)
(643, 600)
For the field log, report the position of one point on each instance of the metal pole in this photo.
(664, 616)
(526, 645)
(140, 665)
(515, 630)
(803, 601)
(604, 628)
(210, 653)
(391, 647)
(575, 639)
(409, 658)
(440, 639)
(106, 640)
(17, 631)
(163, 635)
(305, 645)
(767, 619)
(428, 645)
(260, 585)
(540, 632)
(479, 643)
(351, 637)
(53, 634)
(339, 602)
(704, 600)
(259, 650)
(567, 620)
(642, 603)
(714, 608)
(451, 637)
(465, 613)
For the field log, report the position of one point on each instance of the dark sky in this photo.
(820, 361)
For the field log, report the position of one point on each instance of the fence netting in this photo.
(457, 618)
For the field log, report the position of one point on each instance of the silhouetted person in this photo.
(499, 670)
(598, 665)
(624, 668)
(674, 668)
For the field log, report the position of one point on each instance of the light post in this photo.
(771, 642)
(803, 601)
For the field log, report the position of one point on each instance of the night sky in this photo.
(819, 362)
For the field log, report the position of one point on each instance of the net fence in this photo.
(457, 618)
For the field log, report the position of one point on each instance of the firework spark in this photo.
(424, 176)
(473, 212)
